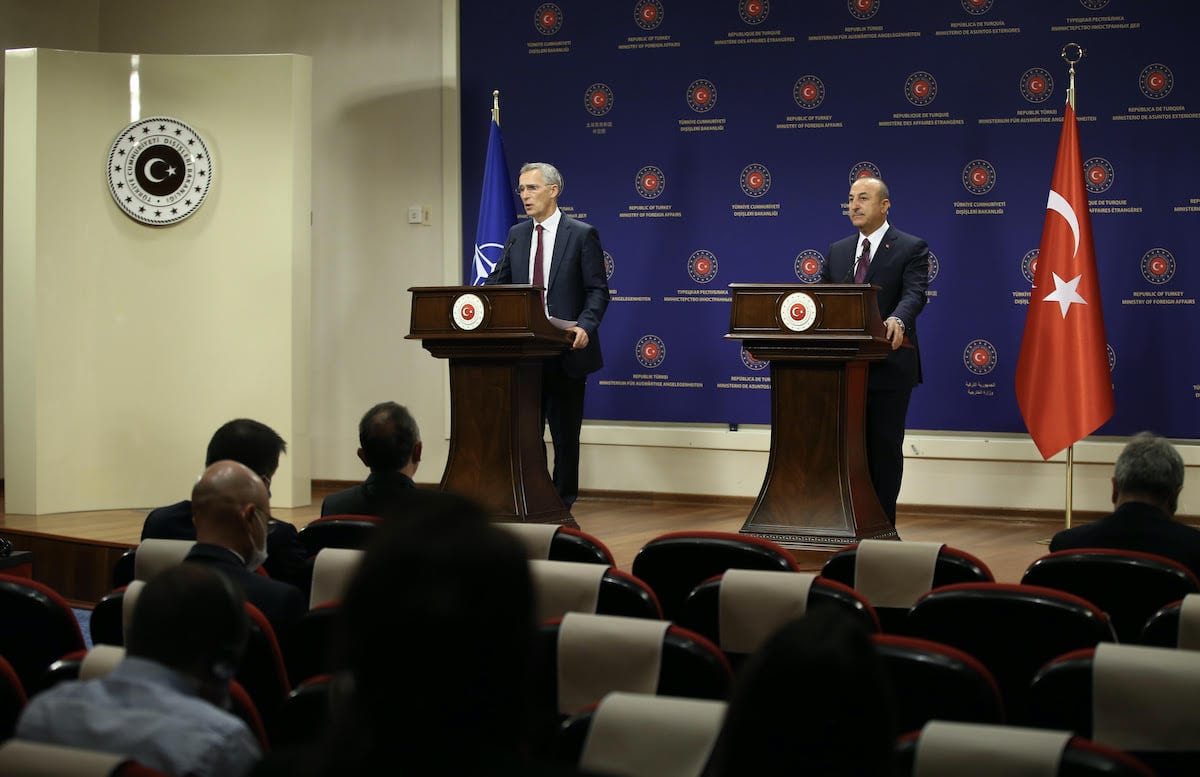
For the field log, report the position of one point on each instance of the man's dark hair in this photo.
(192, 619)
(248, 442)
(1149, 466)
(387, 433)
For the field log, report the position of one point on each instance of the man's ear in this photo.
(362, 457)
(416, 454)
(1114, 490)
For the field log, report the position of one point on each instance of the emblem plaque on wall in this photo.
(159, 170)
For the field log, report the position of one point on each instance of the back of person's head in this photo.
(437, 635)
(230, 508)
(814, 700)
(192, 619)
(388, 436)
(248, 442)
(1151, 469)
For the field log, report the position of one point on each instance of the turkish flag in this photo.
(1064, 388)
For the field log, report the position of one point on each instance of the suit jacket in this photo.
(287, 558)
(382, 494)
(281, 603)
(901, 271)
(1136, 526)
(577, 289)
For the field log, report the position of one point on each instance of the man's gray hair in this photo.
(1149, 465)
(549, 173)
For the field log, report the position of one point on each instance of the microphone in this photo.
(850, 273)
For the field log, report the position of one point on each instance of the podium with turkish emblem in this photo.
(820, 340)
(496, 338)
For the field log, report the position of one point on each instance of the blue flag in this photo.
(496, 211)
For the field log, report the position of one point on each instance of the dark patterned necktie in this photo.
(860, 273)
(538, 278)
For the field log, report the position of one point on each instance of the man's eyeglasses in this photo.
(533, 188)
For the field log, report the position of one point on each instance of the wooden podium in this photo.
(496, 338)
(817, 493)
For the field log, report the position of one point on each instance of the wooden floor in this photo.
(1007, 545)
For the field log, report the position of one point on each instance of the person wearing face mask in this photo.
(229, 508)
(163, 703)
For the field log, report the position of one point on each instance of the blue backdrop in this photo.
(714, 141)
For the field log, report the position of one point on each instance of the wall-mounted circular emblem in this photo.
(862, 9)
(467, 312)
(1037, 84)
(651, 351)
(548, 18)
(808, 265)
(920, 88)
(702, 266)
(934, 266)
(755, 180)
(980, 357)
(650, 182)
(701, 95)
(979, 176)
(864, 170)
(610, 266)
(1156, 81)
(798, 311)
(754, 11)
(1093, 5)
(1029, 265)
(598, 99)
(1158, 265)
(1112, 357)
(751, 362)
(808, 92)
(648, 14)
(1098, 175)
(159, 170)
(977, 7)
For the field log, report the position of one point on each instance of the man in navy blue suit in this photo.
(898, 263)
(563, 255)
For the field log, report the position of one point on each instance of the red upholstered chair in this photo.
(575, 545)
(932, 681)
(568, 586)
(952, 566)
(673, 564)
(122, 573)
(37, 626)
(1080, 758)
(262, 671)
(1011, 629)
(12, 699)
(310, 644)
(107, 624)
(305, 715)
(338, 531)
(1128, 585)
(20, 758)
(1162, 628)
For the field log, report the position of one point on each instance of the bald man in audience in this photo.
(229, 508)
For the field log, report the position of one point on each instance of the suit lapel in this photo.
(883, 253)
(520, 254)
(560, 249)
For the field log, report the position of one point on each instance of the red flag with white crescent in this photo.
(1063, 384)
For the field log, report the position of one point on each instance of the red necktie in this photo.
(860, 272)
(538, 279)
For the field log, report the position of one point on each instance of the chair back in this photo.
(22, 758)
(37, 626)
(932, 681)
(310, 645)
(673, 564)
(1011, 629)
(332, 571)
(12, 699)
(262, 671)
(568, 586)
(153, 556)
(549, 542)
(338, 531)
(305, 716)
(1128, 585)
(1174, 625)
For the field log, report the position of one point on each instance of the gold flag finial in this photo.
(496, 106)
(1071, 54)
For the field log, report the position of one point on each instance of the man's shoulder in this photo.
(902, 238)
(342, 502)
(173, 522)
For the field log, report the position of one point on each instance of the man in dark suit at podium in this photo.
(555, 251)
(898, 263)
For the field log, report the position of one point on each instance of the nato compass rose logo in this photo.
(1156, 81)
(808, 92)
(751, 362)
(650, 351)
(979, 177)
(755, 180)
(864, 170)
(702, 266)
(754, 11)
(979, 357)
(920, 88)
(1036, 84)
(977, 7)
(1098, 175)
(598, 99)
(1158, 265)
(548, 18)
(650, 182)
(934, 266)
(862, 9)
(1029, 265)
(159, 170)
(701, 95)
(610, 266)
(648, 14)
(808, 265)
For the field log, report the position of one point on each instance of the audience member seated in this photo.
(229, 507)
(258, 447)
(447, 693)
(163, 704)
(813, 700)
(1146, 483)
(391, 449)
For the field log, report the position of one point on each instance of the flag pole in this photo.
(496, 103)
(1071, 54)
